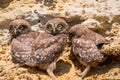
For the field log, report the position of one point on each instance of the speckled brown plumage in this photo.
(39, 48)
(85, 46)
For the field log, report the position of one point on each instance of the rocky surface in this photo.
(102, 16)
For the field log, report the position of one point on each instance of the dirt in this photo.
(99, 15)
(66, 68)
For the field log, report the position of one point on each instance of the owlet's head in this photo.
(57, 26)
(18, 27)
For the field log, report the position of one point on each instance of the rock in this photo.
(71, 10)
(92, 24)
(113, 48)
(4, 3)
(102, 16)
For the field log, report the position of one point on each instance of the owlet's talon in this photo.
(78, 72)
(81, 74)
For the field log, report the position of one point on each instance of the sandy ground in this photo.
(66, 68)
(100, 15)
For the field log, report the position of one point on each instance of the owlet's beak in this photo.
(54, 31)
(15, 31)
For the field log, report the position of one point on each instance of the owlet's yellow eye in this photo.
(49, 27)
(59, 26)
(21, 27)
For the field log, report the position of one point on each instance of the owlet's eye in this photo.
(49, 27)
(21, 27)
(11, 28)
(59, 26)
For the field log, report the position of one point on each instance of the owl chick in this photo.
(86, 46)
(38, 48)
(50, 49)
(22, 39)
